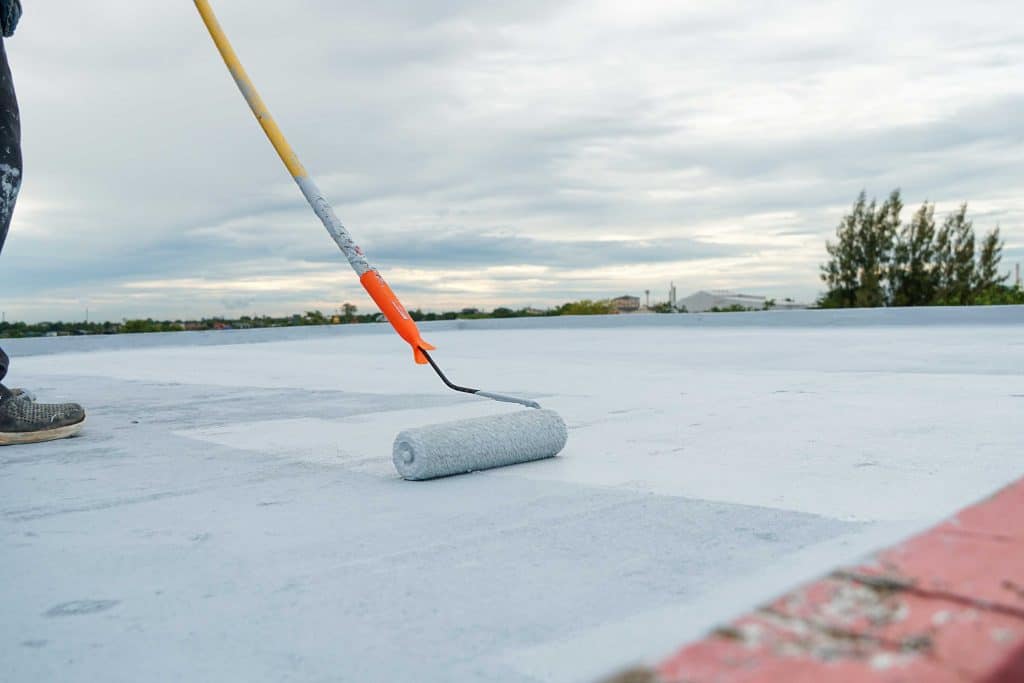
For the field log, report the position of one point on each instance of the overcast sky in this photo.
(492, 153)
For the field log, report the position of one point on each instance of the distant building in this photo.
(701, 301)
(626, 304)
(672, 294)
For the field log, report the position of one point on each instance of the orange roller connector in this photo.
(395, 312)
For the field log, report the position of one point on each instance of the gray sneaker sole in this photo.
(16, 438)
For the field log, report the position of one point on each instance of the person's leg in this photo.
(10, 146)
(10, 159)
(22, 420)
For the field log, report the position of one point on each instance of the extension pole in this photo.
(371, 280)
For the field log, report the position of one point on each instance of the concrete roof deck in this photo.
(231, 511)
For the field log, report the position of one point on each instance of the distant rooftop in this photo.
(705, 300)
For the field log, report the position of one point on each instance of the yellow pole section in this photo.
(259, 109)
(371, 280)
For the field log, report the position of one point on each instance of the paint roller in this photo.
(435, 450)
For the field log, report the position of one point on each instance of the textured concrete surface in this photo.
(231, 511)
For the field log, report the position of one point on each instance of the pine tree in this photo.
(988, 277)
(869, 286)
(913, 274)
(943, 268)
(842, 271)
(964, 278)
(878, 247)
(877, 261)
(858, 272)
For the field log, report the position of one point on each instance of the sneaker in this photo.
(22, 420)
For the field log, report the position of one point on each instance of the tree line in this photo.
(878, 260)
(348, 313)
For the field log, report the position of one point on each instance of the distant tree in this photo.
(960, 288)
(585, 307)
(990, 287)
(876, 235)
(136, 326)
(912, 276)
(314, 318)
(987, 275)
(1000, 295)
(860, 260)
(663, 307)
(842, 272)
(503, 312)
(943, 264)
(878, 261)
(348, 311)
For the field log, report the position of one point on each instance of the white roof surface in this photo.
(231, 511)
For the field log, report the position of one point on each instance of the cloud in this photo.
(482, 152)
